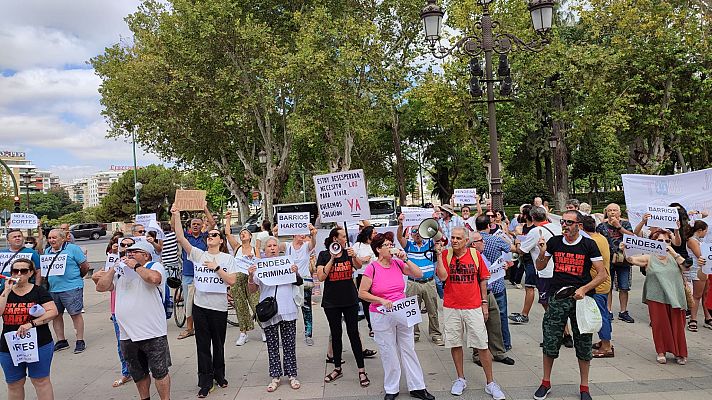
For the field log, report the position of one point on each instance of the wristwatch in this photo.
(216, 269)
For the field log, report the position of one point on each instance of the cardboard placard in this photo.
(111, 259)
(23, 349)
(57, 268)
(465, 196)
(342, 196)
(293, 223)
(23, 221)
(275, 271)
(404, 308)
(663, 217)
(414, 216)
(207, 281)
(635, 245)
(5, 256)
(145, 219)
(190, 200)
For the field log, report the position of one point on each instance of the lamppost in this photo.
(488, 42)
(27, 180)
(137, 185)
(262, 157)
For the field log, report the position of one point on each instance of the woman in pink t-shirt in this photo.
(381, 285)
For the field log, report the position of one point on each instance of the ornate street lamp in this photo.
(488, 42)
(262, 156)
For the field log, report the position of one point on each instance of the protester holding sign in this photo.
(67, 289)
(214, 271)
(19, 305)
(15, 250)
(664, 293)
(283, 323)
(382, 285)
(695, 274)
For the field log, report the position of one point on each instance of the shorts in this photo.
(622, 276)
(466, 324)
(147, 355)
(543, 285)
(555, 318)
(188, 294)
(530, 276)
(35, 370)
(71, 300)
(692, 273)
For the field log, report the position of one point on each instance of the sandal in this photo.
(330, 360)
(363, 381)
(369, 353)
(604, 354)
(370, 333)
(186, 334)
(596, 346)
(294, 382)
(681, 360)
(692, 325)
(661, 359)
(123, 380)
(708, 323)
(273, 385)
(333, 375)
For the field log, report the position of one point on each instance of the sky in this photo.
(49, 99)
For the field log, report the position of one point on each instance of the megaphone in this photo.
(429, 229)
(335, 248)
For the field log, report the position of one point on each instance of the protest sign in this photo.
(275, 271)
(342, 196)
(706, 249)
(414, 216)
(22, 221)
(111, 259)
(23, 348)
(497, 270)
(190, 200)
(404, 308)
(145, 219)
(663, 217)
(293, 223)
(125, 272)
(465, 196)
(635, 245)
(207, 281)
(5, 256)
(57, 268)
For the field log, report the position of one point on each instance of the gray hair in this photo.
(461, 228)
(585, 208)
(134, 228)
(538, 214)
(270, 238)
(60, 233)
(573, 202)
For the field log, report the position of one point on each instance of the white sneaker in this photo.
(458, 386)
(264, 338)
(242, 339)
(493, 389)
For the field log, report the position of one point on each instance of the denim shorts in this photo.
(36, 370)
(622, 276)
(71, 300)
(529, 274)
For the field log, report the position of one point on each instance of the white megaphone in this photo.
(429, 229)
(335, 248)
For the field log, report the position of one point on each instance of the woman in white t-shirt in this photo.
(260, 238)
(283, 324)
(363, 250)
(301, 249)
(215, 271)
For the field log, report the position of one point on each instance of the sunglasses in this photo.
(414, 231)
(568, 222)
(19, 271)
(141, 232)
(665, 240)
(29, 243)
(213, 235)
(126, 244)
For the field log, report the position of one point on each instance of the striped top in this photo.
(169, 255)
(417, 254)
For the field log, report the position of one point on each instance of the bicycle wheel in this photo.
(179, 307)
(231, 312)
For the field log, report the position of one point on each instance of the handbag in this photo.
(267, 308)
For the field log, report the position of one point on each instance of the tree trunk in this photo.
(400, 175)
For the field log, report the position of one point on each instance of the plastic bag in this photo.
(588, 316)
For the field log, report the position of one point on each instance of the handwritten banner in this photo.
(190, 200)
(635, 245)
(57, 268)
(208, 281)
(5, 256)
(404, 308)
(706, 248)
(414, 216)
(23, 348)
(342, 196)
(293, 223)
(275, 271)
(465, 196)
(111, 259)
(22, 221)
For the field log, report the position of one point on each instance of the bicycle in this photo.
(178, 301)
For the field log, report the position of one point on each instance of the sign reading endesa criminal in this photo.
(342, 196)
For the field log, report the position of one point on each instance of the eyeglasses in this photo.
(568, 222)
(213, 235)
(386, 244)
(141, 232)
(479, 240)
(19, 271)
(414, 231)
(490, 215)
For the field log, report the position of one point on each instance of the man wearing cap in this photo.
(447, 219)
(139, 285)
(418, 251)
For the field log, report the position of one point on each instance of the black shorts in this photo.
(147, 355)
(543, 285)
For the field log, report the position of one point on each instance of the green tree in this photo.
(158, 192)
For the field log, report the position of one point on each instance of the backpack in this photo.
(165, 296)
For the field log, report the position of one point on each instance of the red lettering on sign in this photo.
(354, 204)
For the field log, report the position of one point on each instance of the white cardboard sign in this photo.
(404, 308)
(293, 223)
(342, 196)
(275, 271)
(23, 221)
(57, 268)
(497, 270)
(23, 348)
(111, 259)
(706, 248)
(5, 256)
(465, 196)
(663, 217)
(145, 219)
(635, 245)
(414, 216)
(208, 281)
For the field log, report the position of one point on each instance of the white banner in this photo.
(207, 281)
(5, 256)
(692, 189)
(22, 221)
(414, 216)
(465, 196)
(145, 219)
(663, 217)
(275, 271)
(405, 308)
(342, 196)
(111, 259)
(635, 245)
(57, 268)
(496, 269)
(707, 255)
(293, 223)
(23, 348)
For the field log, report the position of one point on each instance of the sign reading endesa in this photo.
(465, 196)
(635, 245)
(293, 223)
(663, 217)
(342, 196)
(190, 200)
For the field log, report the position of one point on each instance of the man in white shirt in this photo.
(139, 285)
(546, 230)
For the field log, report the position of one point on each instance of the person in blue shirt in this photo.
(16, 244)
(67, 289)
(197, 236)
(417, 250)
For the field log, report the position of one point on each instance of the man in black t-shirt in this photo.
(574, 256)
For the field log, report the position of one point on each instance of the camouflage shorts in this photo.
(555, 318)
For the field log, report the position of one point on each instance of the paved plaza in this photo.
(632, 374)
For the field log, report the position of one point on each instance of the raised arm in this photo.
(178, 229)
(440, 270)
(209, 220)
(641, 224)
(228, 231)
(106, 282)
(399, 234)
(312, 232)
